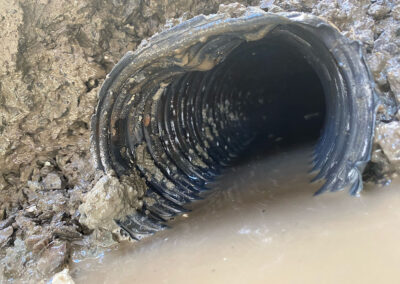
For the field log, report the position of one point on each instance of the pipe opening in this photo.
(201, 95)
(264, 92)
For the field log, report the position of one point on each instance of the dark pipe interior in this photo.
(286, 95)
(264, 92)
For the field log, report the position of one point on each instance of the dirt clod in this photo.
(388, 138)
(111, 199)
(62, 277)
(52, 181)
(5, 235)
(54, 257)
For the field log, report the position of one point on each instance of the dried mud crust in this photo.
(56, 54)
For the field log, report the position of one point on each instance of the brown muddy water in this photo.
(262, 224)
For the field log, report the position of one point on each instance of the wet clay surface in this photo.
(262, 224)
(54, 57)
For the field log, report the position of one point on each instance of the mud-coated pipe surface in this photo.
(191, 99)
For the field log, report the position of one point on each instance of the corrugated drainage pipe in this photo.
(192, 98)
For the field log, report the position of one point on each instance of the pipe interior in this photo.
(263, 94)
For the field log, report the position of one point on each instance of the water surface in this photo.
(262, 224)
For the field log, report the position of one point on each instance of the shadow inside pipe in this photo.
(284, 99)
(265, 90)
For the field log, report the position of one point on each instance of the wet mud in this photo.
(261, 225)
(55, 56)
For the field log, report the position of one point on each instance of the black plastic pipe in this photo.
(192, 98)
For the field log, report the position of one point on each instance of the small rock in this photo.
(46, 216)
(54, 257)
(378, 11)
(2, 183)
(396, 12)
(2, 214)
(24, 223)
(5, 235)
(266, 4)
(67, 233)
(40, 245)
(52, 181)
(31, 241)
(59, 217)
(376, 63)
(15, 259)
(7, 222)
(31, 208)
(233, 9)
(110, 199)
(34, 185)
(388, 137)
(393, 76)
(366, 36)
(62, 277)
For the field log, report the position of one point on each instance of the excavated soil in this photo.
(55, 56)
